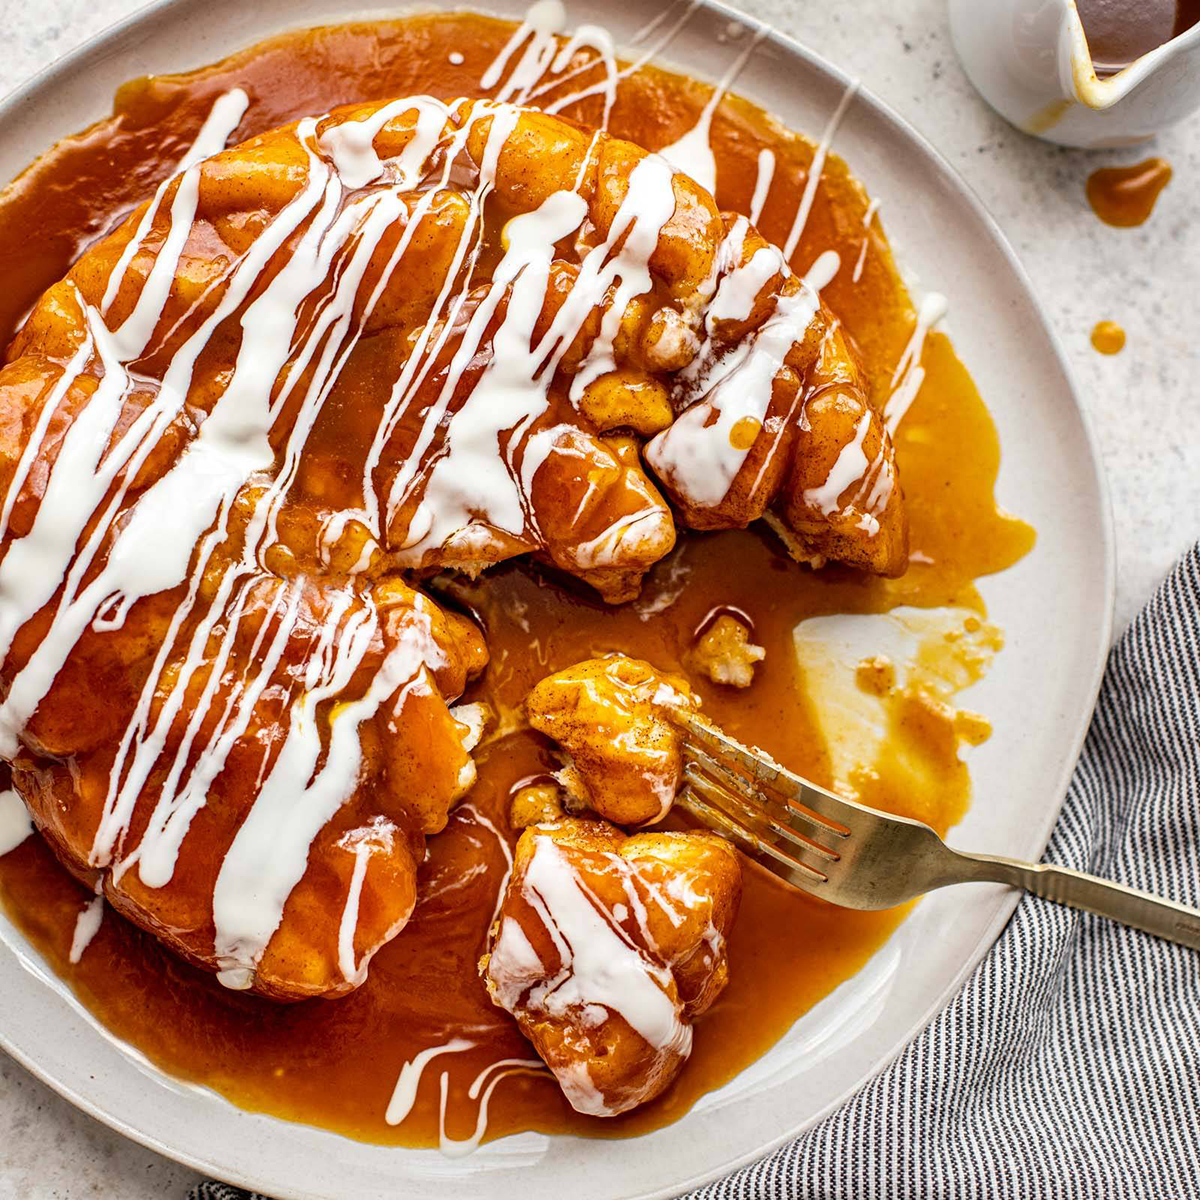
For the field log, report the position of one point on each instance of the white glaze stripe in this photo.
(348, 925)
(223, 118)
(404, 1094)
(909, 373)
(503, 1069)
(692, 152)
(872, 209)
(814, 171)
(600, 966)
(87, 925)
(699, 454)
(762, 184)
(849, 467)
(15, 822)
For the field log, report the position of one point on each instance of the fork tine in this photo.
(764, 771)
(775, 859)
(785, 811)
(751, 811)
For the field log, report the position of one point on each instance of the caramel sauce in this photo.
(1125, 196)
(1108, 337)
(335, 1064)
(1121, 31)
(876, 675)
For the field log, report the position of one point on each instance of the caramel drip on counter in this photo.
(1125, 196)
(337, 1064)
(1108, 337)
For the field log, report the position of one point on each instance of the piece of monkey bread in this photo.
(606, 947)
(623, 756)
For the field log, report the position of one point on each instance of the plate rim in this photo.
(45, 79)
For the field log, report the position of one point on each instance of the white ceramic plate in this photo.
(1055, 607)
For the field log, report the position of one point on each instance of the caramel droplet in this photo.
(744, 433)
(1125, 196)
(1108, 337)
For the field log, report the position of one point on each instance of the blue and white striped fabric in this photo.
(1068, 1067)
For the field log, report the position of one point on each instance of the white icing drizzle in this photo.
(375, 838)
(198, 489)
(87, 925)
(291, 456)
(331, 534)
(850, 466)
(655, 21)
(150, 552)
(515, 965)
(469, 477)
(617, 541)
(876, 492)
(35, 564)
(599, 39)
(349, 921)
(600, 968)
(30, 451)
(576, 1082)
(416, 367)
(762, 183)
(697, 453)
(543, 20)
(223, 118)
(610, 69)
(738, 290)
(15, 822)
(504, 1068)
(638, 908)
(909, 373)
(262, 866)
(351, 144)
(404, 1094)
(814, 171)
(692, 152)
(872, 209)
(648, 205)
(270, 850)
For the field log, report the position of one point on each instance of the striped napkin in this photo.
(1068, 1065)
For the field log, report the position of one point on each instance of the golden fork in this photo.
(857, 857)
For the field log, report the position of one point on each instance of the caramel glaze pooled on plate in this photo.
(339, 1064)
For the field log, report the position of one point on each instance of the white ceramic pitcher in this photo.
(1030, 61)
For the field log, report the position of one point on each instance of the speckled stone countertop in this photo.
(1145, 401)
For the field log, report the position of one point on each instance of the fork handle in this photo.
(1153, 914)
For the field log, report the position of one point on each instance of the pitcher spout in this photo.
(1101, 90)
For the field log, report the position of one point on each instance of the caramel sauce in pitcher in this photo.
(1120, 31)
(337, 1064)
